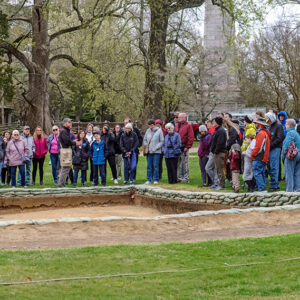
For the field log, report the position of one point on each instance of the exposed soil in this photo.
(213, 227)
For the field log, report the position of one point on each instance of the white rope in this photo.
(137, 274)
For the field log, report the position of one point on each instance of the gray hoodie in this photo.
(157, 141)
(28, 139)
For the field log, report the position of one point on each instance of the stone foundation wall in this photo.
(231, 199)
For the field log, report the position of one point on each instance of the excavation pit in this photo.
(62, 218)
(96, 206)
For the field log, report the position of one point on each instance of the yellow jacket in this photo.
(249, 129)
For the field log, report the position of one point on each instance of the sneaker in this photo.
(218, 188)
(119, 178)
(271, 190)
(155, 182)
(124, 182)
(131, 182)
(147, 182)
(116, 181)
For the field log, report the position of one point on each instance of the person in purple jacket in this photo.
(203, 153)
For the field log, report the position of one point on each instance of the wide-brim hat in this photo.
(261, 121)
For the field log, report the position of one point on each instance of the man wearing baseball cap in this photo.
(66, 142)
(260, 153)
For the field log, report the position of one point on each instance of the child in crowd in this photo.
(98, 154)
(248, 169)
(235, 166)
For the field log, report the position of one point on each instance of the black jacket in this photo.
(140, 139)
(277, 133)
(128, 142)
(117, 142)
(65, 138)
(109, 140)
(2, 149)
(298, 128)
(83, 152)
(233, 138)
(218, 141)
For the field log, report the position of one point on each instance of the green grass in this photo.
(211, 280)
(195, 176)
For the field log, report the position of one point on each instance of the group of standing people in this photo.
(256, 154)
(224, 152)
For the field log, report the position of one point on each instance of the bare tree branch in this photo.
(27, 20)
(19, 55)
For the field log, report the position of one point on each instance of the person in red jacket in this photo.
(235, 166)
(260, 153)
(186, 133)
(41, 150)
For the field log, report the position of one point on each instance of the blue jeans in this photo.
(153, 166)
(273, 166)
(13, 171)
(127, 171)
(83, 176)
(292, 174)
(55, 165)
(27, 166)
(101, 169)
(259, 174)
(1, 165)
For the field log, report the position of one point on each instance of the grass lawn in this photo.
(211, 279)
(195, 176)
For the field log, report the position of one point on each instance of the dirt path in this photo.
(65, 235)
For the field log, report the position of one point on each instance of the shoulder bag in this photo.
(146, 147)
(24, 158)
(65, 156)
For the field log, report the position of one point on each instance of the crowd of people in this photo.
(225, 152)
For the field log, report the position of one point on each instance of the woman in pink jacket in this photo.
(41, 150)
(15, 154)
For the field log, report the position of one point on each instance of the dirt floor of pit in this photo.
(84, 211)
(213, 227)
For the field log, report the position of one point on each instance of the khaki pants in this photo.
(119, 161)
(183, 171)
(235, 180)
(64, 172)
(219, 164)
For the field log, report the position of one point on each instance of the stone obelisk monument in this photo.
(219, 59)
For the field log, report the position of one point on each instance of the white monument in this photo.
(219, 59)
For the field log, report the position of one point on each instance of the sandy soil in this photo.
(64, 235)
(92, 212)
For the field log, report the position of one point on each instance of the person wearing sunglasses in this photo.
(53, 147)
(15, 152)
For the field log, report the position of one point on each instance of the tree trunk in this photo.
(156, 68)
(38, 95)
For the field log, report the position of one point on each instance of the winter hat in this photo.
(219, 121)
(271, 116)
(248, 119)
(202, 128)
(158, 122)
(128, 125)
(236, 147)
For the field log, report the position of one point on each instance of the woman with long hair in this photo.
(41, 150)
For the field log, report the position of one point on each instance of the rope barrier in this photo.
(139, 274)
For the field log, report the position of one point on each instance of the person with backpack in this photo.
(248, 167)
(80, 159)
(291, 157)
(203, 153)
